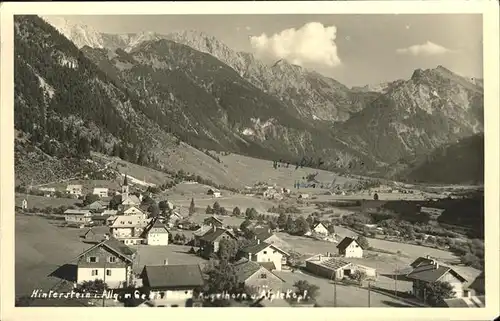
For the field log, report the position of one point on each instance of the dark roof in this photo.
(119, 247)
(213, 235)
(268, 265)
(256, 247)
(421, 261)
(346, 242)
(431, 273)
(245, 269)
(173, 276)
(315, 226)
(263, 234)
(478, 284)
(217, 219)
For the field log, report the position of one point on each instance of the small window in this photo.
(265, 252)
(93, 259)
(263, 276)
(112, 259)
(95, 272)
(108, 272)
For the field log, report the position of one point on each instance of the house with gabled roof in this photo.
(478, 284)
(321, 229)
(75, 189)
(172, 285)
(209, 242)
(262, 252)
(109, 260)
(213, 221)
(329, 267)
(133, 210)
(427, 270)
(264, 234)
(80, 217)
(257, 277)
(349, 247)
(97, 206)
(100, 191)
(156, 233)
(129, 228)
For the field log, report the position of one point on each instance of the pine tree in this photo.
(192, 208)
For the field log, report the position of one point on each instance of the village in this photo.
(269, 237)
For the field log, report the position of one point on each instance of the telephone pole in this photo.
(396, 281)
(104, 281)
(334, 289)
(369, 283)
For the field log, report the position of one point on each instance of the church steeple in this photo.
(125, 188)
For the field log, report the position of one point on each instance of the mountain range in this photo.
(188, 86)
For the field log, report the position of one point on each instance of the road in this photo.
(347, 296)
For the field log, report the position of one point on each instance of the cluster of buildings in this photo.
(128, 224)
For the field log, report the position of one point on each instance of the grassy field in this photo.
(347, 296)
(43, 202)
(40, 248)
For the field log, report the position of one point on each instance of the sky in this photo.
(354, 49)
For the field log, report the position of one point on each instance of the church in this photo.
(126, 200)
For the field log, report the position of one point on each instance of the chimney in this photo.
(258, 241)
(436, 265)
(427, 256)
(165, 262)
(319, 257)
(269, 230)
(249, 256)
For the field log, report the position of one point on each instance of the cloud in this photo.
(312, 44)
(426, 49)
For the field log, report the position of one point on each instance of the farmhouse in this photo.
(174, 218)
(97, 206)
(99, 219)
(262, 252)
(213, 221)
(265, 235)
(209, 242)
(252, 275)
(172, 285)
(95, 234)
(214, 192)
(109, 260)
(76, 190)
(349, 247)
(320, 228)
(156, 233)
(426, 270)
(100, 191)
(77, 216)
(129, 228)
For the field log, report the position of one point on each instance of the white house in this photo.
(171, 285)
(320, 228)
(214, 192)
(77, 216)
(100, 191)
(157, 234)
(76, 190)
(129, 228)
(349, 247)
(262, 252)
(110, 261)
